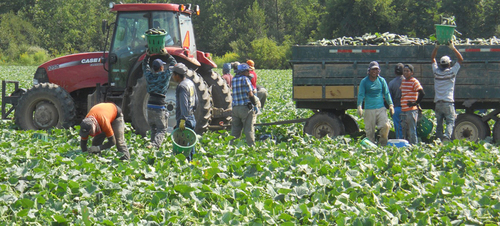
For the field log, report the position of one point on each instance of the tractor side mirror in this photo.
(104, 26)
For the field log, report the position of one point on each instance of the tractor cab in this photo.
(129, 43)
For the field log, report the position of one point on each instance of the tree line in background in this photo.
(33, 31)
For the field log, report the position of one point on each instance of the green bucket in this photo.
(184, 141)
(156, 42)
(444, 33)
(424, 126)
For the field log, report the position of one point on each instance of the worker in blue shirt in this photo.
(373, 90)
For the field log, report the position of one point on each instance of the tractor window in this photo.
(129, 42)
(130, 32)
(169, 22)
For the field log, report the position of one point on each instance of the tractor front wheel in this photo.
(45, 106)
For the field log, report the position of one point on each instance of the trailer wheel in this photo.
(350, 125)
(470, 127)
(139, 99)
(496, 132)
(45, 106)
(322, 124)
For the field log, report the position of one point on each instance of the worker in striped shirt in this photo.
(412, 94)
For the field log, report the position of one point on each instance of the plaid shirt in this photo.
(241, 86)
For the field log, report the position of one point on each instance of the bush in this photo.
(227, 58)
(33, 55)
(267, 54)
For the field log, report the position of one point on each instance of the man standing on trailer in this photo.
(444, 89)
(372, 90)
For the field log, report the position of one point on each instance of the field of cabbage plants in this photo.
(289, 179)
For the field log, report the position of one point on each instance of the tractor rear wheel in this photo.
(221, 94)
(139, 100)
(45, 106)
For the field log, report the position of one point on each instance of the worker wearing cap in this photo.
(261, 91)
(412, 94)
(104, 120)
(234, 65)
(186, 100)
(226, 71)
(243, 105)
(157, 80)
(372, 90)
(444, 89)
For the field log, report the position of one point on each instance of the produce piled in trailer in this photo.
(388, 39)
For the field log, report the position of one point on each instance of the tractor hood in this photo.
(76, 71)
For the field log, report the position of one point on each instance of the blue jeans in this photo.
(409, 125)
(397, 123)
(445, 111)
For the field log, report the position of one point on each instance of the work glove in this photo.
(391, 109)
(257, 101)
(182, 124)
(164, 52)
(94, 150)
(451, 45)
(360, 111)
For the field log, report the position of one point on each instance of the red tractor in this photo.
(66, 87)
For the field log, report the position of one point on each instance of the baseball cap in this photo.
(409, 66)
(86, 127)
(373, 64)
(226, 68)
(445, 60)
(243, 67)
(157, 64)
(180, 68)
(251, 64)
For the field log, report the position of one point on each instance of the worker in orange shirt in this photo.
(104, 120)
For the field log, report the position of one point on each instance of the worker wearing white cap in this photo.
(444, 89)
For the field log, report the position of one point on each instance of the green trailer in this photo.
(326, 79)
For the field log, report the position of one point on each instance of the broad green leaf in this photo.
(59, 218)
(23, 213)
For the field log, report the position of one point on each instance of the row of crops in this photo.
(289, 179)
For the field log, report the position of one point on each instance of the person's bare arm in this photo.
(457, 54)
(434, 53)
